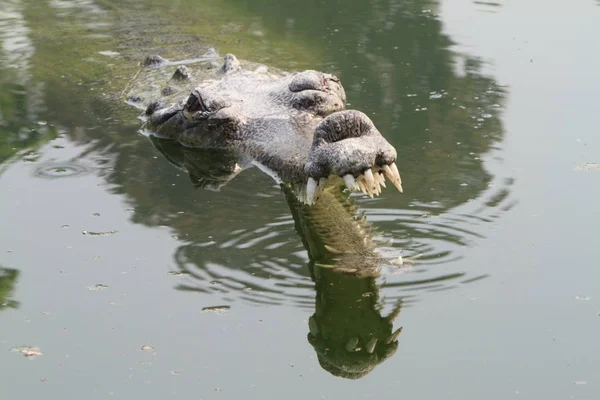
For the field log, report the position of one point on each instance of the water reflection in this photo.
(8, 279)
(437, 107)
(341, 252)
(237, 239)
(348, 331)
(488, 6)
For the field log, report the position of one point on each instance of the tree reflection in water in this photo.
(8, 278)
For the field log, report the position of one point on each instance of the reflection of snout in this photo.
(207, 168)
(344, 347)
(347, 144)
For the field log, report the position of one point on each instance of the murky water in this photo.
(134, 281)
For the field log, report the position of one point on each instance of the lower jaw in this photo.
(370, 183)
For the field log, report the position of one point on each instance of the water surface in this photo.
(492, 110)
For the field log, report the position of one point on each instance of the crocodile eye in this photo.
(195, 103)
(308, 80)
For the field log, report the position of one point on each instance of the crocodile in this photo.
(343, 264)
(295, 126)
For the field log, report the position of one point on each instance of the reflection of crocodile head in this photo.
(295, 125)
(207, 168)
(347, 330)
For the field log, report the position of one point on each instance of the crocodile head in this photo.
(294, 126)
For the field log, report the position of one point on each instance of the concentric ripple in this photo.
(64, 169)
(268, 265)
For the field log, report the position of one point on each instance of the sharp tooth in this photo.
(395, 172)
(369, 179)
(398, 186)
(377, 183)
(361, 186)
(370, 347)
(332, 249)
(352, 343)
(391, 171)
(311, 187)
(393, 336)
(328, 266)
(350, 182)
(388, 172)
(381, 179)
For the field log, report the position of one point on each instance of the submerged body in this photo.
(294, 125)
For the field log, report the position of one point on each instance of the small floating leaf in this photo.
(88, 233)
(588, 167)
(219, 310)
(98, 287)
(28, 351)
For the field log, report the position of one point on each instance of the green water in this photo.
(493, 110)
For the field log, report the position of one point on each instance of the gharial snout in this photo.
(348, 145)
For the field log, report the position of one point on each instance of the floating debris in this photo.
(219, 310)
(147, 348)
(582, 298)
(588, 167)
(65, 226)
(98, 287)
(109, 53)
(28, 351)
(176, 273)
(579, 382)
(88, 233)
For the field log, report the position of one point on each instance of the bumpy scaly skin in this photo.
(293, 124)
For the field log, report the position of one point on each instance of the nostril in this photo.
(385, 157)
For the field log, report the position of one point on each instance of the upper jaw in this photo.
(347, 144)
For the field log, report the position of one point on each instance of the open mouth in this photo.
(370, 182)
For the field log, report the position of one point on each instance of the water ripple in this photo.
(61, 169)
